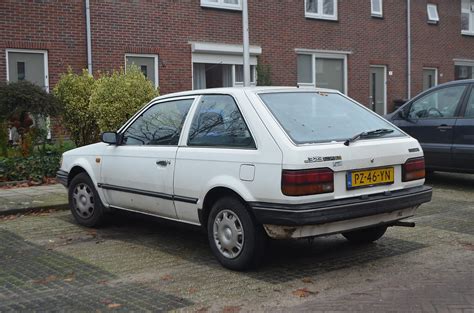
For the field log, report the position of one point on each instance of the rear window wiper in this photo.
(371, 133)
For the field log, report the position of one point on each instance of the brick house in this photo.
(357, 46)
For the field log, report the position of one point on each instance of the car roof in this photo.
(235, 90)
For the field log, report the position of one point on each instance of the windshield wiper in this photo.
(371, 133)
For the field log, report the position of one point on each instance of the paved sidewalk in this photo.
(18, 200)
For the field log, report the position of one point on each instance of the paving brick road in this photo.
(49, 263)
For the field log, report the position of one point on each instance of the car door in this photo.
(463, 145)
(138, 173)
(431, 119)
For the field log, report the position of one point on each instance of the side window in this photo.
(218, 122)
(470, 106)
(160, 125)
(441, 103)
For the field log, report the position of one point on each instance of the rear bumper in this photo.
(61, 177)
(339, 210)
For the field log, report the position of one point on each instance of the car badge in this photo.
(372, 160)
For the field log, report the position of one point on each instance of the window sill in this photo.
(377, 15)
(222, 7)
(321, 17)
(467, 33)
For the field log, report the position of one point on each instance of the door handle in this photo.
(163, 163)
(444, 127)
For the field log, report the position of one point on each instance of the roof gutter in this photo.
(88, 34)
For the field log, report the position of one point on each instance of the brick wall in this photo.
(165, 27)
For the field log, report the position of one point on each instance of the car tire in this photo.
(84, 201)
(236, 240)
(366, 235)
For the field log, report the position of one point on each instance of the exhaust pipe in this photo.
(404, 224)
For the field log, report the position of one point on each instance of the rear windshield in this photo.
(312, 117)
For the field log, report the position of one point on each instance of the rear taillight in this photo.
(307, 182)
(413, 169)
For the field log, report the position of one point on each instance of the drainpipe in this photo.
(409, 49)
(246, 44)
(88, 34)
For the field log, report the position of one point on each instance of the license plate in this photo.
(369, 178)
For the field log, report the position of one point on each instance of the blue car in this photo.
(442, 119)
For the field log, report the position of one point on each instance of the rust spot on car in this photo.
(279, 232)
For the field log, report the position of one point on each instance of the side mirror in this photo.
(110, 138)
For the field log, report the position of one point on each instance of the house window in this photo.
(223, 4)
(323, 70)
(20, 69)
(463, 71)
(433, 17)
(211, 75)
(30, 65)
(467, 17)
(321, 9)
(377, 8)
(147, 63)
(239, 74)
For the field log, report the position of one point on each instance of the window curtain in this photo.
(227, 76)
(199, 75)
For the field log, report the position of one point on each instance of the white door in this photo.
(138, 174)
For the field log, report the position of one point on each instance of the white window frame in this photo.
(376, 13)
(322, 54)
(45, 61)
(432, 19)
(436, 74)
(470, 11)
(220, 4)
(155, 60)
(218, 53)
(253, 78)
(320, 15)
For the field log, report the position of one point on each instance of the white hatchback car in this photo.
(252, 163)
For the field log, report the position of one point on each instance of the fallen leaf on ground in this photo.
(307, 280)
(231, 309)
(166, 277)
(70, 277)
(48, 279)
(114, 305)
(202, 310)
(303, 292)
(467, 245)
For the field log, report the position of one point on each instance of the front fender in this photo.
(92, 168)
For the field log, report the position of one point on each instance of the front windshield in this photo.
(311, 117)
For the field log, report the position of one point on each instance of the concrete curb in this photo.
(30, 209)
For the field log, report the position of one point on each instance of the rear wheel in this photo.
(366, 235)
(84, 201)
(235, 238)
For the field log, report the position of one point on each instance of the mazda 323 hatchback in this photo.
(252, 163)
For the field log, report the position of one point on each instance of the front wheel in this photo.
(235, 238)
(84, 201)
(366, 235)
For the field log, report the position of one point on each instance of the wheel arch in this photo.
(212, 196)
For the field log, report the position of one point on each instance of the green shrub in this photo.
(33, 168)
(74, 92)
(23, 96)
(22, 103)
(264, 74)
(118, 96)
